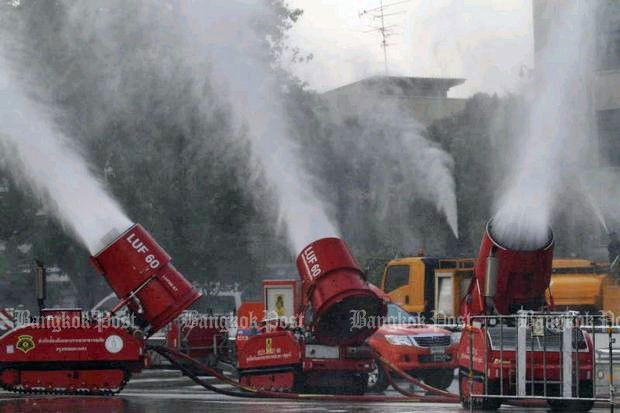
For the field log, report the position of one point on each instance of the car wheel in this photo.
(585, 391)
(439, 379)
(377, 380)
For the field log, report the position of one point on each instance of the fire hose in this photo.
(174, 357)
(389, 366)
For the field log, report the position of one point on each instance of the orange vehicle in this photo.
(423, 351)
(584, 285)
(427, 286)
(434, 287)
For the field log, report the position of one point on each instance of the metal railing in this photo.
(559, 357)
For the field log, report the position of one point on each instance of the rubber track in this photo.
(80, 392)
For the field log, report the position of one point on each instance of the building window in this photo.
(607, 23)
(609, 50)
(608, 126)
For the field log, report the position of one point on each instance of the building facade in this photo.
(426, 99)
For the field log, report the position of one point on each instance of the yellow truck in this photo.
(434, 287)
(584, 285)
(431, 287)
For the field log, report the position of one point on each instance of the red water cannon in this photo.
(140, 273)
(340, 306)
(507, 280)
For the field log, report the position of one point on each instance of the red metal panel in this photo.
(322, 257)
(165, 296)
(130, 260)
(278, 348)
(250, 313)
(522, 276)
(135, 263)
(56, 341)
(283, 381)
(336, 288)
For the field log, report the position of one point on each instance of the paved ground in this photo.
(169, 392)
(156, 402)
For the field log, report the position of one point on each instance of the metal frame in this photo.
(569, 346)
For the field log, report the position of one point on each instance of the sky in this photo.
(488, 42)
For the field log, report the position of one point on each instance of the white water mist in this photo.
(39, 156)
(225, 36)
(426, 170)
(214, 47)
(597, 211)
(410, 166)
(431, 170)
(557, 132)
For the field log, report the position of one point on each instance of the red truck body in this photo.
(497, 332)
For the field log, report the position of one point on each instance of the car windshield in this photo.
(396, 315)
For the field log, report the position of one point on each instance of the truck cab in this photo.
(428, 286)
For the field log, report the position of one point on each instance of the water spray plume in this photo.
(247, 81)
(597, 211)
(557, 132)
(200, 59)
(411, 167)
(431, 172)
(39, 156)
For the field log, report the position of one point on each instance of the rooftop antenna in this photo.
(379, 16)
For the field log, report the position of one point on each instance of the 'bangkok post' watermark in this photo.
(61, 320)
(551, 320)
